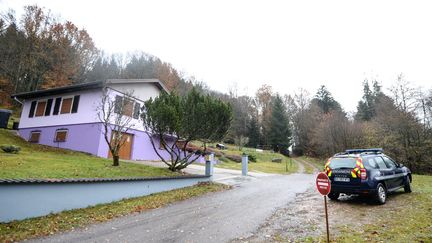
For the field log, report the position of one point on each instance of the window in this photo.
(32, 109)
(66, 105)
(337, 163)
(40, 108)
(34, 137)
(380, 163)
(372, 163)
(126, 107)
(136, 112)
(61, 135)
(390, 164)
(161, 145)
(48, 107)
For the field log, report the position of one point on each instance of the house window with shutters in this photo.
(40, 108)
(66, 105)
(34, 137)
(61, 135)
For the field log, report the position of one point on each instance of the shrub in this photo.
(13, 149)
(252, 157)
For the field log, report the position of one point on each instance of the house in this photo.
(67, 117)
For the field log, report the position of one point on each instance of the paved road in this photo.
(217, 217)
(221, 175)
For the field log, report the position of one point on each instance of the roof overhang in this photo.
(86, 86)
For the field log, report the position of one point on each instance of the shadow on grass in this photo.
(366, 200)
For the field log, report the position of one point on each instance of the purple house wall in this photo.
(84, 129)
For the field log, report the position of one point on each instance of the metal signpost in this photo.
(323, 185)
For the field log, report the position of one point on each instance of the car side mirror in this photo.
(401, 165)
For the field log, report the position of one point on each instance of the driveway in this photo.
(221, 175)
(216, 217)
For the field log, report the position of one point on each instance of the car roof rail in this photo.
(361, 151)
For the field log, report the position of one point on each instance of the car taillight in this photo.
(363, 174)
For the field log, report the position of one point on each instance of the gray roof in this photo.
(85, 86)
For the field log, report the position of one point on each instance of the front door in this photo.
(126, 149)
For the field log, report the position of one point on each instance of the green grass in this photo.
(317, 162)
(68, 220)
(263, 163)
(38, 161)
(409, 219)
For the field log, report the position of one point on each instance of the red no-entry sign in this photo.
(323, 184)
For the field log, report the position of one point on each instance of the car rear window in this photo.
(337, 163)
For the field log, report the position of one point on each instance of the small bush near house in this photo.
(9, 148)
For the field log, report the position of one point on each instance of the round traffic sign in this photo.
(323, 183)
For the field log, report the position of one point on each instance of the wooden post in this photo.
(326, 215)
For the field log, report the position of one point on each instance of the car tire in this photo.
(381, 194)
(407, 187)
(333, 195)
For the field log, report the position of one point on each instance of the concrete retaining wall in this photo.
(27, 199)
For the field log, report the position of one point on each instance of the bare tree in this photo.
(116, 114)
(241, 141)
(404, 95)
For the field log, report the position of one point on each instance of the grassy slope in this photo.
(409, 220)
(68, 220)
(37, 161)
(263, 163)
(411, 223)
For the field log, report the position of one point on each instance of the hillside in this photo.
(226, 159)
(39, 161)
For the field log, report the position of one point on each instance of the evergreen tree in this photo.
(366, 106)
(280, 133)
(174, 122)
(325, 100)
(253, 132)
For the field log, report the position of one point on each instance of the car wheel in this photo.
(407, 187)
(333, 195)
(381, 194)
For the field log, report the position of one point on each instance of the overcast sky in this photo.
(284, 44)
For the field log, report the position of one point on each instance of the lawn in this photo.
(406, 218)
(38, 161)
(263, 160)
(79, 218)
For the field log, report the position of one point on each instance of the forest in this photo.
(40, 51)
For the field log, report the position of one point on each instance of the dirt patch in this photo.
(304, 218)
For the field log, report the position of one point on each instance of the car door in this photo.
(386, 173)
(397, 179)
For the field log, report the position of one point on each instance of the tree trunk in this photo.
(116, 160)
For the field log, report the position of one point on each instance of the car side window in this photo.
(380, 162)
(390, 164)
(372, 163)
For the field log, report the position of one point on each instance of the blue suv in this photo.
(366, 172)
